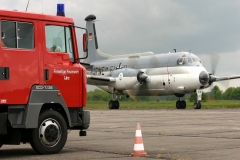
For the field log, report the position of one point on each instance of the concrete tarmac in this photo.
(207, 134)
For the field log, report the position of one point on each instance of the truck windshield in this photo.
(59, 39)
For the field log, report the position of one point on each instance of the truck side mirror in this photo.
(84, 42)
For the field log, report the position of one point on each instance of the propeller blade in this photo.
(214, 62)
(225, 84)
(223, 78)
(131, 94)
(153, 63)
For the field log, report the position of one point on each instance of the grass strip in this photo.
(163, 104)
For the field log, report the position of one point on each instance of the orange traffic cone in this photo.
(138, 150)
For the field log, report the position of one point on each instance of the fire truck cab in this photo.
(42, 83)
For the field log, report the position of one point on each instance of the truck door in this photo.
(19, 60)
(59, 67)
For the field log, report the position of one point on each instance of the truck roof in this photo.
(35, 16)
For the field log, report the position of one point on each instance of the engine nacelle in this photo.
(125, 78)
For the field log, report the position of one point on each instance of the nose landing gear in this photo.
(197, 105)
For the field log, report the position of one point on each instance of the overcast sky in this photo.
(130, 26)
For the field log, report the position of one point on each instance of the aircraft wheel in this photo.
(111, 104)
(197, 105)
(178, 104)
(183, 104)
(51, 134)
(116, 104)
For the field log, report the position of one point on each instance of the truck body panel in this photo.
(40, 73)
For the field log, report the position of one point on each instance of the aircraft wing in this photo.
(223, 78)
(86, 65)
(97, 80)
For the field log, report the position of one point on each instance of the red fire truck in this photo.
(42, 83)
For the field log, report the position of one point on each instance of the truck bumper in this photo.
(85, 119)
(3, 123)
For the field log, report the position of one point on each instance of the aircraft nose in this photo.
(203, 78)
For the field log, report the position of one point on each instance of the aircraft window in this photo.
(184, 60)
(190, 60)
(200, 61)
(111, 68)
(194, 60)
(180, 61)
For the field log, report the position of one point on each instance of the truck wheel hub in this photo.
(49, 132)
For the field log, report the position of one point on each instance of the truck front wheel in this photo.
(1, 144)
(51, 134)
(1, 141)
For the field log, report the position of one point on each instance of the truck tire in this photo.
(1, 142)
(51, 134)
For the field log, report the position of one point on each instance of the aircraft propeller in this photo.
(214, 62)
(141, 77)
(212, 78)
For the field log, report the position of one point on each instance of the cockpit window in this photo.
(199, 61)
(184, 60)
(180, 61)
(190, 60)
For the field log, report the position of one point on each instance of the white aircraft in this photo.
(146, 74)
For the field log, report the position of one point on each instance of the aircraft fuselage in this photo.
(167, 74)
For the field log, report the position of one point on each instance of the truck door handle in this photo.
(46, 75)
(4, 73)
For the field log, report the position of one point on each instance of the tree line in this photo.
(232, 93)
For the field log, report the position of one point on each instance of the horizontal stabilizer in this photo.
(108, 56)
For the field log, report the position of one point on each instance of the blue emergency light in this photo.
(60, 10)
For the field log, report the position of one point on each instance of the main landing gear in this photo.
(197, 105)
(113, 104)
(180, 104)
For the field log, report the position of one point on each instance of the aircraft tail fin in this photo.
(93, 54)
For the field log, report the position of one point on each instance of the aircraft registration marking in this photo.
(120, 76)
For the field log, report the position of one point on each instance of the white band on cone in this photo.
(138, 133)
(138, 147)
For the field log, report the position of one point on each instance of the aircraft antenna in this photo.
(27, 6)
(175, 50)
